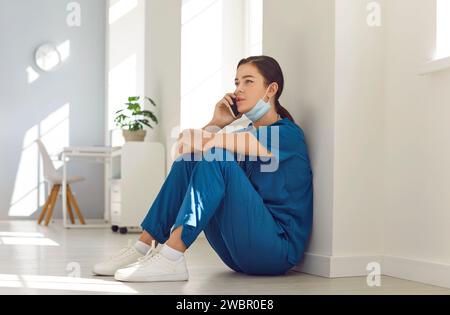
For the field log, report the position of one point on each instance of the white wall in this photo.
(300, 35)
(359, 131)
(64, 107)
(417, 212)
(163, 68)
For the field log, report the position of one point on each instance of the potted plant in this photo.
(133, 119)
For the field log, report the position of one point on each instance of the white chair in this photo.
(54, 179)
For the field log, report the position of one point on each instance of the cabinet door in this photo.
(116, 211)
(116, 193)
(143, 174)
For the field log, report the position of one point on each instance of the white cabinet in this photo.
(137, 173)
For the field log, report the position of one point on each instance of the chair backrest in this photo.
(49, 169)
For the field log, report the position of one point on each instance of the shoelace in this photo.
(151, 253)
(130, 250)
(147, 257)
(124, 253)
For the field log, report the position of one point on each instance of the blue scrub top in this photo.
(287, 191)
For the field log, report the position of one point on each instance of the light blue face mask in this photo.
(261, 108)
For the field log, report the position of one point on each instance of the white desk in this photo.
(102, 154)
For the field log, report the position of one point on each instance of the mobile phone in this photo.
(234, 108)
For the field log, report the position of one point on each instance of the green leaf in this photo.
(145, 122)
(150, 100)
(147, 113)
(133, 98)
(134, 107)
(134, 127)
(132, 104)
(121, 118)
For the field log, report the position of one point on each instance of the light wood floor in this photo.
(39, 260)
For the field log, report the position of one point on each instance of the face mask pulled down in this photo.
(259, 110)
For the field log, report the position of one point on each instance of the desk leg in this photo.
(64, 191)
(107, 196)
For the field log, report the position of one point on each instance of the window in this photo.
(442, 29)
(254, 20)
(441, 59)
(215, 35)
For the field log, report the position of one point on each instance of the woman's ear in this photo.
(273, 89)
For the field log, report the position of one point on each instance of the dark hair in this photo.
(271, 71)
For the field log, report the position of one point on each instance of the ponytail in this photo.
(283, 112)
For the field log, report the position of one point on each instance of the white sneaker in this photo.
(123, 258)
(154, 267)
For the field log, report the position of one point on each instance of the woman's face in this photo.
(250, 87)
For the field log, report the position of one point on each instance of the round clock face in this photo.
(47, 57)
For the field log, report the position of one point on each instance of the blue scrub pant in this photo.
(214, 195)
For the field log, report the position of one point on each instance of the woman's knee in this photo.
(183, 162)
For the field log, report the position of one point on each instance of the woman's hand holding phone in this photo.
(226, 111)
(198, 140)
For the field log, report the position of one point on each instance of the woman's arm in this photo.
(212, 127)
(241, 142)
(195, 140)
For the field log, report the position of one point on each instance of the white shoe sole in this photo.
(103, 274)
(156, 278)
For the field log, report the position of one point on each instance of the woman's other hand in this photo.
(193, 140)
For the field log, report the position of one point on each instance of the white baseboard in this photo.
(315, 264)
(352, 266)
(427, 272)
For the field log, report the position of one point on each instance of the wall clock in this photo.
(47, 57)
